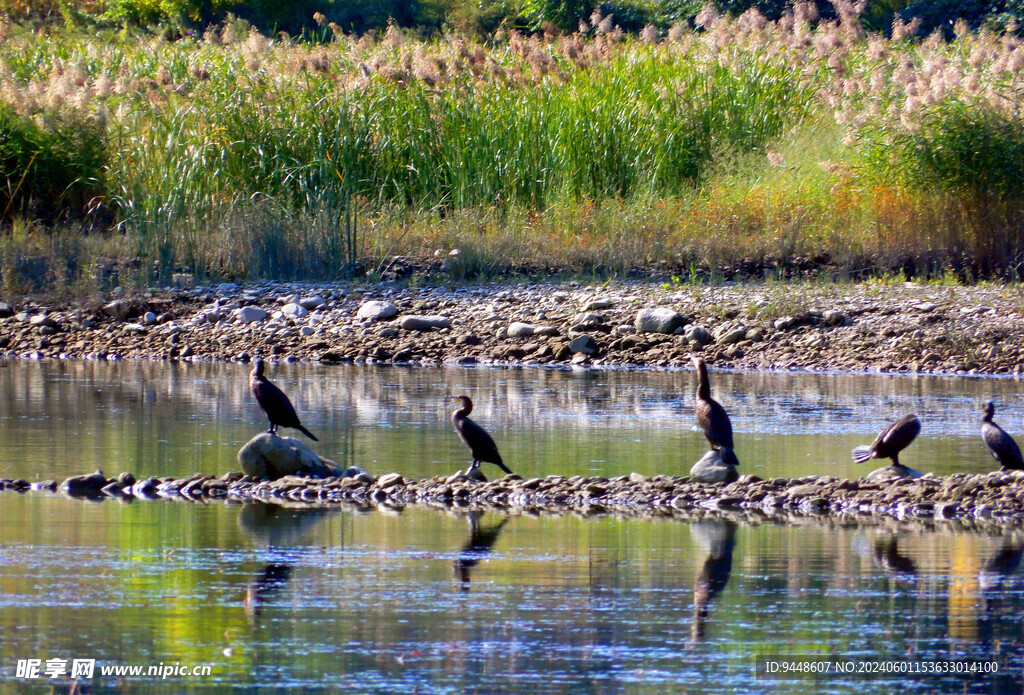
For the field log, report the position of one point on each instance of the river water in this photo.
(422, 600)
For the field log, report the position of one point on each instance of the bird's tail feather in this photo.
(862, 454)
(502, 466)
(306, 432)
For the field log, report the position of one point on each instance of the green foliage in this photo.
(49, 167)
(1009, 14)
(353, 16)
(943, 14)
(486, 16)
(959, 146)
(671, 12)
(608, 133)
(564, 14)
(179, 12)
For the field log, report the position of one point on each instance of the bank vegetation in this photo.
(742, 146)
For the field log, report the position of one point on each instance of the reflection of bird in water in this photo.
(711, 416)
(717, 537)
(266, 584)
(475, 437)
(275, 404)
(891, 442)
(478, 547)
(274, 526)
(1002, 446)
(886, 554)
(1003, 564)
(1000, 586)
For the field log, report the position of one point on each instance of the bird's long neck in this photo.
(987, 417)
(462, 411)
(703, 384)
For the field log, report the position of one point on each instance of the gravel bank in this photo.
(996, 498)
(902, 327)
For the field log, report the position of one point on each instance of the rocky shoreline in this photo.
(895, 327)
(991, 500)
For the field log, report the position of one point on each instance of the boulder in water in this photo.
(893, 473)
(271, 456)
(712, 469)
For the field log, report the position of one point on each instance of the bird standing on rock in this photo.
(711, 416)
(275, 404)
(475, 437)
(1002, 446)
(891, 442)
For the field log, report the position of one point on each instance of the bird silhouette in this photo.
(891, 442)
(1002, 446)
(475, 437)
(711, 416)
(275, 404)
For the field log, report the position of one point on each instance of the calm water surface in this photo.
(421, 600)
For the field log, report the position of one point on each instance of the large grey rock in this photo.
(424, 323)
(294, 311)
(119, 309)
(587, 320)
(584, 344)
(712, 469)
(599, 304)
(659, 320)
(729, 333)
(731, 336)
(893, 473)
(269, 456)
(312, 303)
(518, 329)
(250, 314)
(833, 318)
(84, 484)
(698, 335)
(376, 310)
(42, 320)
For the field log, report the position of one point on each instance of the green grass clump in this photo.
(51, 166)
(962, 146)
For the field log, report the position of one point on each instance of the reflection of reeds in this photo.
(218, 152)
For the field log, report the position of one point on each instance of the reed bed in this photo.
(748, 144)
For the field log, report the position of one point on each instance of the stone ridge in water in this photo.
(997, 497)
